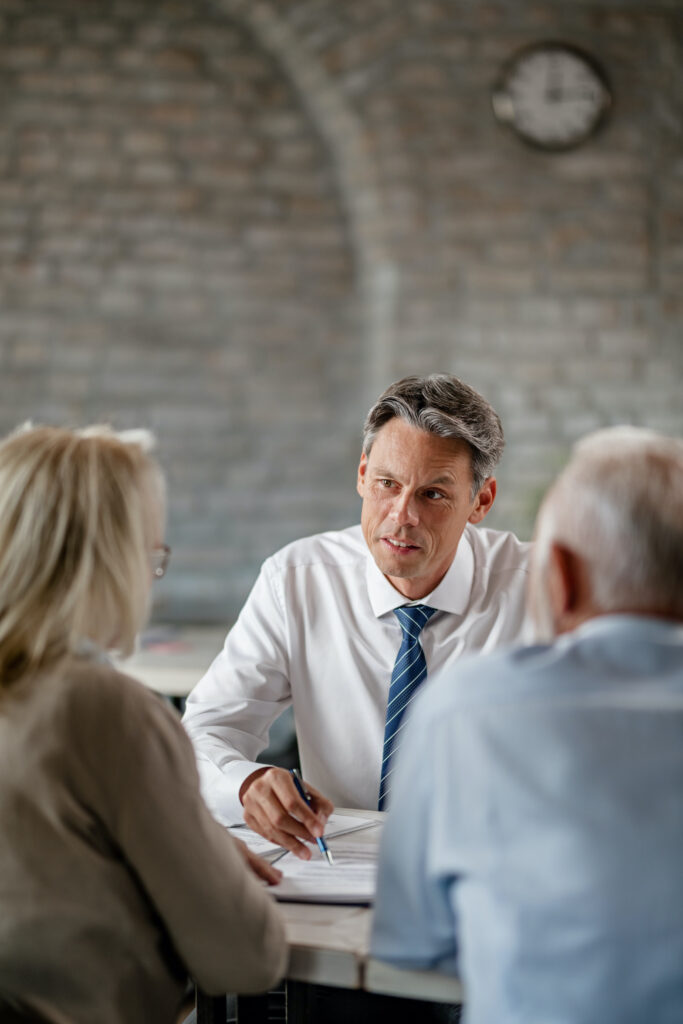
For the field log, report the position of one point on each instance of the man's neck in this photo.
(414, 590)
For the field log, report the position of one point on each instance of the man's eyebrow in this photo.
(443, 480)
(439, 481)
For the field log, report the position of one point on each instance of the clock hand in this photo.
(553, 86)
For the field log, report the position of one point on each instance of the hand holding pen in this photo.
(322, 845)
(274, 808)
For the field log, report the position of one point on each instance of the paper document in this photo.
(255, 842)
(337, 825)
(352, 879)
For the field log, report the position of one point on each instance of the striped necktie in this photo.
(410, 668)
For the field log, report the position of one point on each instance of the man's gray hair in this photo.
(442, 405)
(619, 504)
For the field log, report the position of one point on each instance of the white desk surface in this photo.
(329, 945)
(394, 981)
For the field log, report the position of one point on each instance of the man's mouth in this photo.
(399, 545)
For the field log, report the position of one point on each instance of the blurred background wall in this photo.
(236, 222)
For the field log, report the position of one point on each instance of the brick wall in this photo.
(235, 222)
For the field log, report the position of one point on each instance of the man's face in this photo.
(417, 497)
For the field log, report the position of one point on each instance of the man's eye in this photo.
(384, 482)
(433, 495)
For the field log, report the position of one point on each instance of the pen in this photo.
(322, 845)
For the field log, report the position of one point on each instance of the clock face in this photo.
(553, 95)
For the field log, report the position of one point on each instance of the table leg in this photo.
(252, 1009)
(210, 1009)
(300, 1002)
(325, 1004)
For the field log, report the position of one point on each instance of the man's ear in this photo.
(569, 588)
(565, 583)
(362, 469)
(484, 501)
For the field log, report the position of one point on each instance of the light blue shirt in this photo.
(534, 843)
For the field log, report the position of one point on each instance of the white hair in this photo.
(619, 505)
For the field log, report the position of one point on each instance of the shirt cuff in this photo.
(221, 787)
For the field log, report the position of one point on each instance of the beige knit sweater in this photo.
(115, 881)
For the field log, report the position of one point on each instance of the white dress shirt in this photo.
(317, 631)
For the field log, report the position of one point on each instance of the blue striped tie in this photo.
(410, 668)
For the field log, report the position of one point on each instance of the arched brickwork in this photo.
(236, 220)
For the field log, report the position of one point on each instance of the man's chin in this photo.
(399, 566)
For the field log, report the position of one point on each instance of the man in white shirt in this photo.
(320, 631)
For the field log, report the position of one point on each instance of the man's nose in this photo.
(404, 510)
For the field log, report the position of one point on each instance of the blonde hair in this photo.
(77, 515)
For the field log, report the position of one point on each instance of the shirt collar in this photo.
(451, 595)
(643, 627)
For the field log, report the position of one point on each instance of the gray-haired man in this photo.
(345, 625)
(535, 843)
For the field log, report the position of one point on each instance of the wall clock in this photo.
(553, 95)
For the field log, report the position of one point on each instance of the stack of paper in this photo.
(352, 878)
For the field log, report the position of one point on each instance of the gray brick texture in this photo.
(235, 222)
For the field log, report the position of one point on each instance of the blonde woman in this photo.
(115, 882)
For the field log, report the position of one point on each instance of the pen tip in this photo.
(329, 857)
